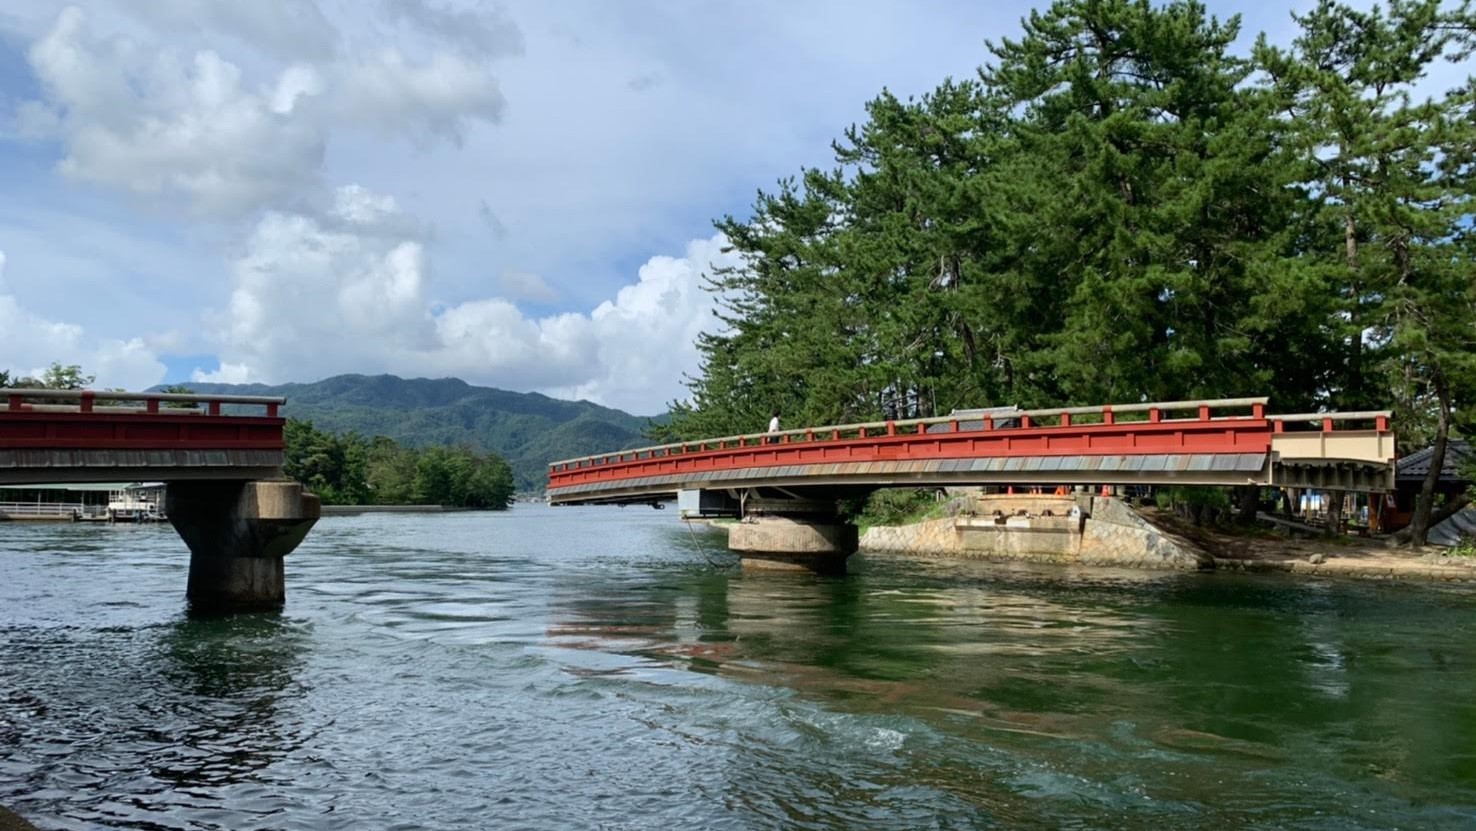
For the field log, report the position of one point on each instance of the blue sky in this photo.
(517, 194)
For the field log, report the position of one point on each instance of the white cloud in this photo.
(191, 129)
(314, 294)
(315, 297)
(646, 338)
(30, 342)
(172, 128)
(434, 100)
(474, 32)
(289, 29)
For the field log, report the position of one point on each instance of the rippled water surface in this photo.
(589, 668)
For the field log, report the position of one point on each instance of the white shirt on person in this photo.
(774, 424)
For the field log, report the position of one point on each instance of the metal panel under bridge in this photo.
(1214, 442)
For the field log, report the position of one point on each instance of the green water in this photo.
(589, 668)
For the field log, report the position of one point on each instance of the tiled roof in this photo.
(1458, 460)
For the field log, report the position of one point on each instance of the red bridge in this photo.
(221, 456)
(1217, 442)
(787, 485)
(86, 436)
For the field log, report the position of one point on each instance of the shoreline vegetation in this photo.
(351, 470)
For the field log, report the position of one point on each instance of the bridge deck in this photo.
(1113, 445)
(58, 436)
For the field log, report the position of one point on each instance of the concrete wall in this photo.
(1105, 532)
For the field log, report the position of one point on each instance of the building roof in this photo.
(1456, 470)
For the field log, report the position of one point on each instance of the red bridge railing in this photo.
(97, 420)
(1237, 425)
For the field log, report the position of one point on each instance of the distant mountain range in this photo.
(527, 429)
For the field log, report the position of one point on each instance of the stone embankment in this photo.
(1080, 530)
(1104, 531)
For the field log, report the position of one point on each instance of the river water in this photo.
(599, 668)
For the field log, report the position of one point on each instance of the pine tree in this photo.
(1384, 172)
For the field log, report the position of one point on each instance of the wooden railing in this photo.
(104, 401)
(1233, 425)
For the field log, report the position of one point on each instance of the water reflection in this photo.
(1098, 674)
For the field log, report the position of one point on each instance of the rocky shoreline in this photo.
(11, 821)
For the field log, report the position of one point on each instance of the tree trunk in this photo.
(1334, 512)
(1247, 501)
(1447, 510)
(1420, 525)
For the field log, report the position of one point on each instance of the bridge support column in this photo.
(238, 533)
(779, 543)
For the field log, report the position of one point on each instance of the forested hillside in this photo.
(527, 429)
(1126, 205)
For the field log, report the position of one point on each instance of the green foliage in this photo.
(58, 376)
(350, 470)
(177, 389)
(896, 506)
(1119, 208)
(65, 377)
(1199, 497)
(1465, 547)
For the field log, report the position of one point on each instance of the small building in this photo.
(1409, 477)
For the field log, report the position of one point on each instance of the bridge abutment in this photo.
(794, 544)
(238, 533)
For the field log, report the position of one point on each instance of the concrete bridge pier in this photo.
(238, 533)
(792, 535)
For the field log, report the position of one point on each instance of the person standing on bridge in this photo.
(774, 425)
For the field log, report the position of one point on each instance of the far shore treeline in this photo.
(349, 469)
(1123, 206)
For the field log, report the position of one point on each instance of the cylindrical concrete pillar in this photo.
(775, 543)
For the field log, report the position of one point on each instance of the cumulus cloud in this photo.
(30, 342)
(314, 297)
(159, 125)
(436, 99)
(325, 294)
(288, 29)
(190, 128)
(475, 32)
(646, 338)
